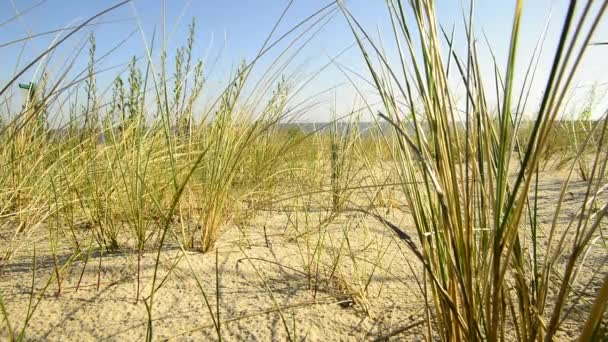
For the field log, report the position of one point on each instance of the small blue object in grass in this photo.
(26, 85)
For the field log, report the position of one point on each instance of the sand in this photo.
(261, 267)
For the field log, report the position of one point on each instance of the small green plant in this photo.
(343, 139)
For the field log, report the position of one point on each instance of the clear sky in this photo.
(231, 30)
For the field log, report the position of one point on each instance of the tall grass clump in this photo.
(491, 266)
(232, 157)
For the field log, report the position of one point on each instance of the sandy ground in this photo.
(260, 269)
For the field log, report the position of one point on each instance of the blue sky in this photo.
(229, 31)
